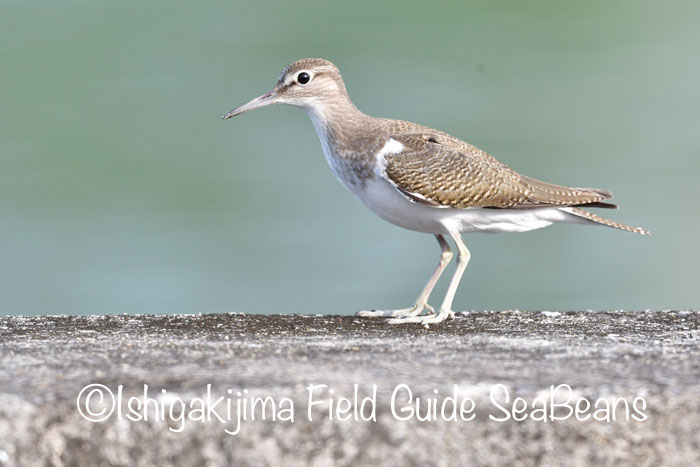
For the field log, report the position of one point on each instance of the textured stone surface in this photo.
(46, 361)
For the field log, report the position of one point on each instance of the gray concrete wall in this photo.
(647, 361)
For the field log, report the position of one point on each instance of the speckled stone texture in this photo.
(46, 361)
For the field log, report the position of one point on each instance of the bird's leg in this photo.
(446, 308)
(422, 301)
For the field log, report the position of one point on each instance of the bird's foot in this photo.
(441, 316)
(403, 313)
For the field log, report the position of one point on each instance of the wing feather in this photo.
(436, 169)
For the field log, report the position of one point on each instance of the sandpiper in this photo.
(423, 179)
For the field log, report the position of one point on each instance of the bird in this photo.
(423, 179)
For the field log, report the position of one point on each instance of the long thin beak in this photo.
(261, 101)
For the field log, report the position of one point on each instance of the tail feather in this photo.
(600, 220)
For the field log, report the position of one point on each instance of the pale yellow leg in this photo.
(446, 307)
(422, 301)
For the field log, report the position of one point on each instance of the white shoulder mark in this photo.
(395, 147)
(391, 147)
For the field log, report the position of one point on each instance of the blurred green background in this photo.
(122, 190)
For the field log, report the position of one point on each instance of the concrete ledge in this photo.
(604, 357)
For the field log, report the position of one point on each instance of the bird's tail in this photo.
(600, 220)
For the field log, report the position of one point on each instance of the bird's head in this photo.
(311, 83)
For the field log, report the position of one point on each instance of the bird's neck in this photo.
(338, 123)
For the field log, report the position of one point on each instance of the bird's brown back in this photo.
(437, 168)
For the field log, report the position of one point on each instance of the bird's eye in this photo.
(303, 77)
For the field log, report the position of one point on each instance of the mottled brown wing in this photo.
(437, 170)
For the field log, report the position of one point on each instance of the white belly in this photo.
(389, 204)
